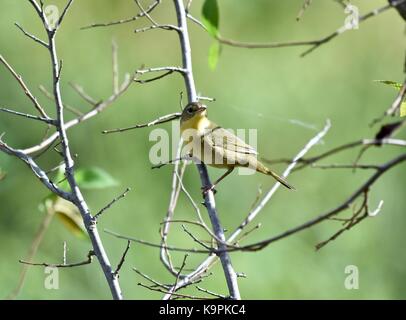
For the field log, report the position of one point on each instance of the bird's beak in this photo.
(201, 108)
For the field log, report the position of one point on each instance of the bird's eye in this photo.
(189, 110)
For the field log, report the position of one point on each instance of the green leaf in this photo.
(393, 84)
(403, 109)
(210, 17)
(60, 179)
(214, 54)
(94, 178)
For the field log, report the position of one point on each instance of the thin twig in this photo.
(163, 119)
(39, 173)
(95, 111)
(121, 262)
(29, 116)
(195, 239)
(62, 265)
(180, 270)
(29, 35)
(176, 186)
(157, 245)
(154, 23)
(147, 277)
(313, 43)
(172, 293)
(24, 87)
(52, 98)
(122, 21)
(211, 293)
(344, 166)
(108, 206)
(81, 92)
(306, 4)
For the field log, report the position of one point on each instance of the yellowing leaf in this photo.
(403, 109)
(2, 174)
(70, 216)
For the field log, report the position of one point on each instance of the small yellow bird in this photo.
(217, 147)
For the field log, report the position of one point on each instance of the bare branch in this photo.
(344, 166)
(39, 173)
(206, 98)
(160, 69)
(52, 98)
(29, 116)
(155, 78)
(349, 223)
(364, 142)
(108, 206)
(24, 87)
(398, 101)
(122, 21)
(121, 262)
(29, 35)
(172, 293)
(147, 277)
(306, 4)
(164, 253)
(154, 23)
(383, 169)
(180, 271)
(63, 265)
(163, 119)
(361, 19)
(195, 239)
(156, 245)
(95, 111)
(211, 293)
(313, 43)
(65, 10)
(81, 92)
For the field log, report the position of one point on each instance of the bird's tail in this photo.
(269, 172)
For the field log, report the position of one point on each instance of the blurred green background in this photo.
(268, 89)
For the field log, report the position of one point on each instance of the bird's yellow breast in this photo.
(199, 123)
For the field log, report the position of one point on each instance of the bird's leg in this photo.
(208, 188)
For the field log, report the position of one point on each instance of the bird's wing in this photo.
(222, 139)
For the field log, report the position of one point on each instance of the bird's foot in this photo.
(208, 188)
